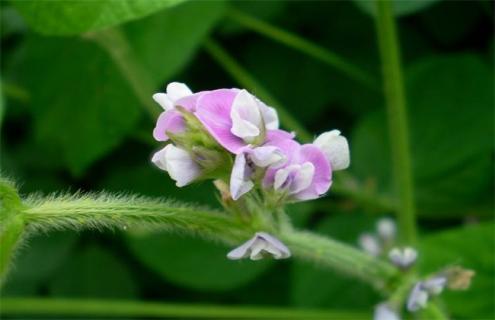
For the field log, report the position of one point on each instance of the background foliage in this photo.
(77, 117)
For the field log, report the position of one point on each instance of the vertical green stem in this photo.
(397, 118)
(246, 80)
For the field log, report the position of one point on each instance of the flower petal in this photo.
(168, 121)
(180, 166)
(240, 182)
(163, 100)
(213, 110)
(335, 148)
(177, 90)
(246, 117)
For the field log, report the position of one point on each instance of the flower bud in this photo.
(370, 244)
(335, 148)
(386, 228)
(178, 163)
(384, 312)
(403, 258)
(418, 298)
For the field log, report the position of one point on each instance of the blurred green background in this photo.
(75, 119)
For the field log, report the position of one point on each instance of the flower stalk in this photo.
(397, 119)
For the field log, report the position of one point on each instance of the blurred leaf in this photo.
(472, 247)
(165, 42)
(87, 109)
(263, 10)
(60, 17)
(96, 273)
(401, 7)
(194, 263)
(37, 262)
(313, 287)
(449, 98)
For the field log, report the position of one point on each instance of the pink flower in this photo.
(235, 118)
(305, 175)
(178, 94)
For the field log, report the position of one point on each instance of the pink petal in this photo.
(213, 110)
(168, 121)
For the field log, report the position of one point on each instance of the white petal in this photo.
(240, 182)
(303, 178)
(177, 90)
(417, 298)
(159, 159)
(180, 165)
(281, 176)
(435, 285)
(242, 251)
(403, 258)
(257, 249)
(335, 148)
(246, 117)
(267, 156)
(164, 101)
(384, 312)
(269, 115)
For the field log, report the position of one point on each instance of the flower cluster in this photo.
(232, 136)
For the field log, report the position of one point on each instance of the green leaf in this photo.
(88, 108)
(194, 263)
(401, 7)
(449, 98)
(314, 287)
(60, 17)
(94, 272)
(47, 253)
(472, 247)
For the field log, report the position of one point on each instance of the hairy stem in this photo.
(245, 79)
(130, 309)
(307, 47)
(339, 256)
(134, 213)
(397, 118)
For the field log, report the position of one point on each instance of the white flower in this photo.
(251, 117)
(335, 148)
(259, 246)
(435, 285)
(384, 312)
(175, 91)
(178, 163)
(244, 167)
(418, 298)
(386, 229)
(370, 244)
(403, 258)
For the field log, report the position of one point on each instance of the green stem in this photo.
(114, 42)
(298, 43)
(243, 77)
(397, 118)
(130, 309)
(339, 256)
(103, 211)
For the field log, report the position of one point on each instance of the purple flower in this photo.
(403, 258)
(305, 175)
(171, 120)
(235, 118)
(259, 246)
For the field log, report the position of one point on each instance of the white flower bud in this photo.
(178, 163)
(403, 258)
(259, 246)
(384, 312)
(418, 298)
(335, 148)
(386, 228)
(370, 244)
(435, 285)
